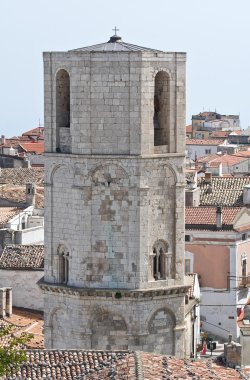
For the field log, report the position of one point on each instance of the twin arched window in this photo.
(160, 263)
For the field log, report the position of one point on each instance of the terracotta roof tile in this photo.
(189, 128)
(7, 213)
(22, 320)
(198, 217)
(224, 159)
(33, 147)
(220, 134)
(101, 365)
(223, 191)
(243, 153)
(34, 132)
(204, 141)
(22, 257)
(21, 176)
(10, 193)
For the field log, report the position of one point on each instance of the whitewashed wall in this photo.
(218, 315)
(33, 235)
(200, 150)
(25, 291)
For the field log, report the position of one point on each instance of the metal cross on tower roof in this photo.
(116, 30)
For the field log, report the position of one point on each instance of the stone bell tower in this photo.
(115, 148)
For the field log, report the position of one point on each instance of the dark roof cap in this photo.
(115, 38)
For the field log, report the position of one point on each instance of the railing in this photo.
(245, 281)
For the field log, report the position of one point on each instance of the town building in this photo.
(23, 151)
(21, 267)
(206, 122)
(22, 234)
(200, 147)
(114, 240)
(233, 164)
(218, 249)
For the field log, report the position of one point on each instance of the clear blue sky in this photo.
(214, 33)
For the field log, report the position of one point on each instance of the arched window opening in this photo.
(63, 265)
(160, 261)
(161, 109)
(62, 111)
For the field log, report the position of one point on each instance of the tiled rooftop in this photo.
(225, 159)
(18, 194)
(22, 257)
(243, 153)
(21, 176)
(34, 132)
(100, 365)
(205, 217)
(204, 141)
(220, 134)
(223, 191)
(7, 213)
(33, 147)
(26, 321)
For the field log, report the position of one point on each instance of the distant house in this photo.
(34, 134)
(213, 121)
(219, 134)
(200, 147)
(189, 131)
(21, 206)
(21, 267)
(33, 151)
(235, 138)
(230, 164)
(19, 151)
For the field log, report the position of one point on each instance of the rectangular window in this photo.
(187, 238)
(244, 237)
(207, 151)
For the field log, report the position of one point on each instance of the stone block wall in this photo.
(109, 214)
(150, 322)
(112, 101)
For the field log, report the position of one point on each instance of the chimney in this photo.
(2, 140)
(30, 194)
(246, 195)
(208, 177)
(219, 217)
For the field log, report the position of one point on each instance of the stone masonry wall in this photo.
(113, 212)
(112, 100)
(149, 324)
